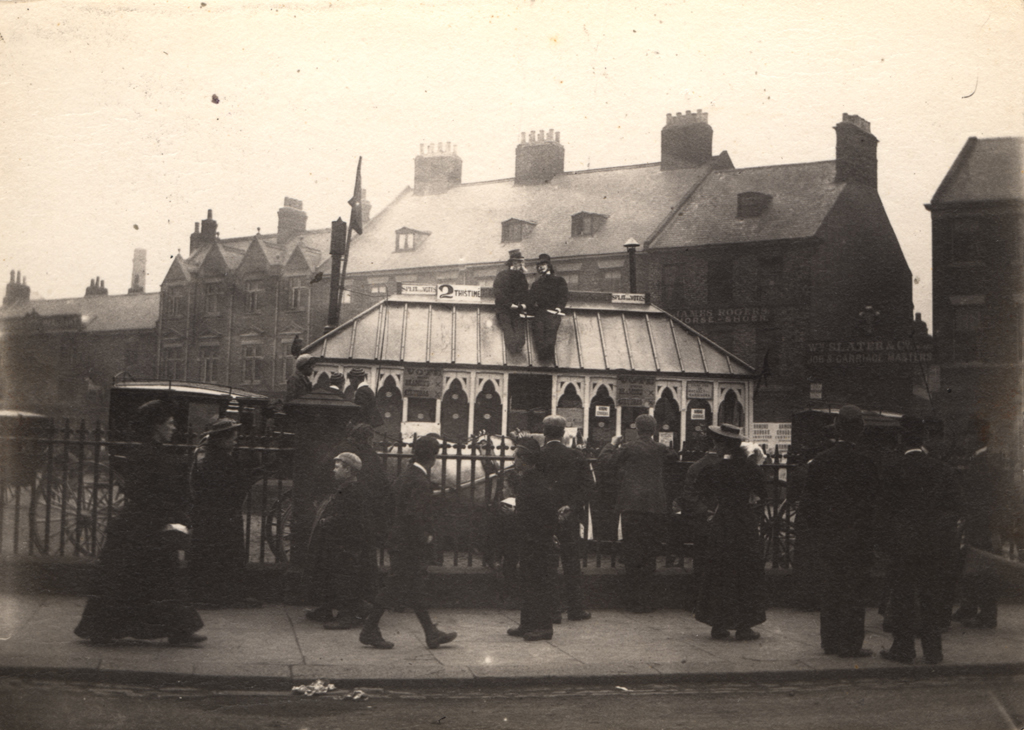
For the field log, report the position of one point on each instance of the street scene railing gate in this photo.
(60, 489)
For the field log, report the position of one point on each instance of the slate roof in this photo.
(465, 222)
(802, 196)
(594, 337)
(99, 313)
(985, 170)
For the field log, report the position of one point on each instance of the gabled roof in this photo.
(985, 170)
(598, 337)
(98, 314)
(465, 222)
(801, 197)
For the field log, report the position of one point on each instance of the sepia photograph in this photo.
(512, 364)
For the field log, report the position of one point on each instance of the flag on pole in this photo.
(356, 221)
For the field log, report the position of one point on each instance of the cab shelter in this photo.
(438, 362)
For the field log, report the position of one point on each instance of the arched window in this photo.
(389, 403)
(487, 413)
(731, 410)
(455, 413)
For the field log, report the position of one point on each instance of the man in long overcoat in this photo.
(641, 502)
(732, 593)
(568, 476)
(919, 501)
(839, 501)
(985, 502)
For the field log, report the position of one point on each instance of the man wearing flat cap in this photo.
(300, 382)
(919, 503)
(510, 294)
(549, 295)
(838, 501)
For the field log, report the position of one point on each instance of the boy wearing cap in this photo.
(510, 294)
(337, 548)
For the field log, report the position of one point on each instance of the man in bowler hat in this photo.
(839, 500)
(548, 296)
(919, 502)
(510, 294)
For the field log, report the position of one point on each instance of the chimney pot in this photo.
(435, 172)
(209, 214)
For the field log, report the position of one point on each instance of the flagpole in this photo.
(355, 223)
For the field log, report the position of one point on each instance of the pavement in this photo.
(275, 647)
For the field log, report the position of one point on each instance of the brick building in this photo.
(59, 357)
(793, 266)
(977, 256)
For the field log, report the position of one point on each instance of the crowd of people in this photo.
(906, 516)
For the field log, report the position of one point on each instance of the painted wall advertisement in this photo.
(423, 383)
(635, 390)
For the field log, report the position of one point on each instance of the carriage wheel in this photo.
(277, 527)
(72, 506)
(777, 534)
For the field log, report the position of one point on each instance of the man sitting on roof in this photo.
(548, 296)
(510, 293)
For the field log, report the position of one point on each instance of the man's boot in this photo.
(434, 636)
(370, 635)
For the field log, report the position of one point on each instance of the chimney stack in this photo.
(437, 171)
(856, 151)
(138, 272)
(203, 235)
(97, 288)
(291, 221)
(17, 290)
(540, 158)
(686, 140)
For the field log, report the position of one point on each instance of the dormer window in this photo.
(514, 230)
(752, 205)
(409, 239)
(587, 224)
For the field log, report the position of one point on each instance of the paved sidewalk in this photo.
(276, 647)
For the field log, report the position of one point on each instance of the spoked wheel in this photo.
(72, 505)
(777, 534)
(277, 527)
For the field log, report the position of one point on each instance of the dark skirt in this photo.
(733, 594)
(139, 591)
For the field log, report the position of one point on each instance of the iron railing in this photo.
(61, 489)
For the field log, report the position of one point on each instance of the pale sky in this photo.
(111, 141)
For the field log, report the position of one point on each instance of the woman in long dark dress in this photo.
(732, 592)
(218, 554)
(139, 591)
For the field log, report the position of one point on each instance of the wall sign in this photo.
(726, 315)
(629, 298)
(458, 293)
(427, 289)
(867, 352)
(635, 390)
(702, 389)
(602, 411)
(423, 383)
(697, 414)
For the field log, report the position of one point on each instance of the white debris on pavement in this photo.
(319, 687)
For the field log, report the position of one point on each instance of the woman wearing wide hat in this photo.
(139, 591)
(732, 592)
(218, 555)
